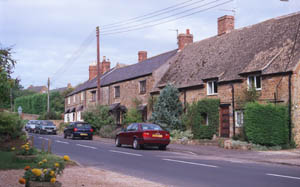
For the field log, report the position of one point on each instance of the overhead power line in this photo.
(141, 18)
(148, 14)
(167, 21)
(163, 18)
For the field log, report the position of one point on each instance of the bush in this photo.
(194, 118)
(168, 109)
(181, 135)
(10, 126)
(98, 117)
(62, 126)
(266, 124)
(108, 131)
(133, 116)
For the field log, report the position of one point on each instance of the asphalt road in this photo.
(172, 168)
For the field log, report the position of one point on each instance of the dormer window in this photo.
(254, 81)
(212, 88)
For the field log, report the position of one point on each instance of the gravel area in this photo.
(81, 176)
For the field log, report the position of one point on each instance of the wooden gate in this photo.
(224, 121)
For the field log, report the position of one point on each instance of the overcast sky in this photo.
(46, 34)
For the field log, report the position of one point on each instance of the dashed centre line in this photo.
(62, 142)
(126, 153)
(283, 176)
(191, 163)
(86, 146)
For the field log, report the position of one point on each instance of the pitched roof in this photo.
(60, 90)
(264, 47)
(115, 75)
(36, 88)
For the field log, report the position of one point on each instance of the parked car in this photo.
(46, 127)
(30, 125)
(79, 129)
(143, 134)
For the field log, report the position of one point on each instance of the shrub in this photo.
(194, 118)
(180, 135)
(133, 116)
(168, 109)
(108, 131)
(266, 124)
(98, 116)
(10, 126)
(62, 126)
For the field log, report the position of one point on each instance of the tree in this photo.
(7, 64)
(133, 116)
(98, 116)
(168, 109)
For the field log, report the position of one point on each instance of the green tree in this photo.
(98, 116)
(133, 116)
(168, 109)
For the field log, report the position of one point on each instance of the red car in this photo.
(140, 134)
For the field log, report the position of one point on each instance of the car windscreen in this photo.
(151, 127)
(83, 126)
(49, 123)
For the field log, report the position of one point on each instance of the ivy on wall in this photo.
(194, 118)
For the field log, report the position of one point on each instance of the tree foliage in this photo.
(10, 126)
(168, 109)
(98, 116)
(133, 116)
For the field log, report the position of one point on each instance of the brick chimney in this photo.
(105, 65)
(92, 70)
(142, 55)
(184, 39)
(225, 24)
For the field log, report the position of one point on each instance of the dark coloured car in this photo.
(79, 129)
(45, 127)
(143, 134)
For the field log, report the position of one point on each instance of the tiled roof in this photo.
(115, 75)
(265, 47)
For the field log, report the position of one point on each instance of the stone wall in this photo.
(296, 105)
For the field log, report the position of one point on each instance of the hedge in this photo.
(266, 124)
(193, 118)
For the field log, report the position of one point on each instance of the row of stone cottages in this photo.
(265, 55)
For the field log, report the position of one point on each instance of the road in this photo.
(172, 168)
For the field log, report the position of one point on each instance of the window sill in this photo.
(212, 94)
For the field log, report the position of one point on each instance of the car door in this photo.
(132, 133)
(69, 129)
(125, 135)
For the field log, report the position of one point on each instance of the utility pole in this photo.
(11, 98)
(48, 102)
(98, 65)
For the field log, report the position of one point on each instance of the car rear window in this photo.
(151, 127)
(83, 126)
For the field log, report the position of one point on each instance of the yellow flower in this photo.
(56, 164)
(52, 173)
(23, 146)
(45, 170)
(36, 172)
(27, 148)
(13, 148)
(53, 180)
(45, 160)
(40, 163)
(22, 181)
(66, 158)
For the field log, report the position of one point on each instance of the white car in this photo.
(30, 126)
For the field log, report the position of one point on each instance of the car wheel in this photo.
(162, 147)
(65, 135)
(136, 144)
(117, 141)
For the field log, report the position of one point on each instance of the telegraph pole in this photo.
(98, 65)
(48, 102)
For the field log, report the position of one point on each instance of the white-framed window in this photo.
(254, 80)
(117, 91)
(74, 98)
(239, 118)
(69, 100)
(82, 96)
(143, 87)
(212, 88)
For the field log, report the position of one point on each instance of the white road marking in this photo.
(133, 154)
(192, 163)
(283, 176)
(43, 138)
(62, 142)
(86, 146)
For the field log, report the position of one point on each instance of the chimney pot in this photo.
(142, 55)
(225, 24)
(104, 58)
(105, 65)
(184, 39)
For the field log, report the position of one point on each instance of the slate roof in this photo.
(264, 47)
(115, 75)
(60, 90)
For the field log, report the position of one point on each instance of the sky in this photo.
(57, 38)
